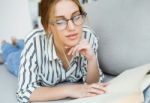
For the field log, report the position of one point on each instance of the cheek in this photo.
(80, 28)
(61, 37)
(80, 31)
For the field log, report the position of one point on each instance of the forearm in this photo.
(92, 71)
(49, 93)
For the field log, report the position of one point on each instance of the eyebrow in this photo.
(65, 17)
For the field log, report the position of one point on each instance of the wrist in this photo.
(72, 89)
(69, 90)
(91, 58)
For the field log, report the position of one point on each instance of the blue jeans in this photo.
(11, 55)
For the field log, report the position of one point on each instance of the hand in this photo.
(83, 47)
(87, 90)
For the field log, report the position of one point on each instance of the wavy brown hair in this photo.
(46, 9)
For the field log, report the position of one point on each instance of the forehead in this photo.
(65, 8)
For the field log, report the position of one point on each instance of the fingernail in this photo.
(66, 47)
(102, 92)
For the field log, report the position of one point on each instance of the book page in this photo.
(125, 86)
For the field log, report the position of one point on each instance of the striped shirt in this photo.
(40, 65)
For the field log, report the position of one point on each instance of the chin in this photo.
(72, 43)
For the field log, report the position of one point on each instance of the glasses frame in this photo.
(83, 14)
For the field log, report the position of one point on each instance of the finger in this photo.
(82, 50)
(99, 87)
(96, 91)
(66, 47)
(104, 84)
(70, 51)
(75, 49)
(83, 41)
(83, 47)
(90, 94)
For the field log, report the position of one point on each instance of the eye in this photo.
(60, 22)
(77, 17)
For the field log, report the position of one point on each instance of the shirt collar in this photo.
(51, 49)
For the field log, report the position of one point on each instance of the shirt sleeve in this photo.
(93, 41)
(95, 49)
(28, 76)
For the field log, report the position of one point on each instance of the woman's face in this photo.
(63, 28)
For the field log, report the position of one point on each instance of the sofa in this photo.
(123, 31)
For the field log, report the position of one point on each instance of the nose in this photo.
(71, 26)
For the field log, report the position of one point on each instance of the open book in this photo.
(125, 88)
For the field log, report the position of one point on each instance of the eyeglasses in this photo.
(63, 23)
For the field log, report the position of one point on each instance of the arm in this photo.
(49, 93)
(90, 53)
(93, 70)
(93, 74)
(70, 90)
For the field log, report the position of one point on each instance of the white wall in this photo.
(15, 19)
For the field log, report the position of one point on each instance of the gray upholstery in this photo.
(1, 59)
(123, 29)
(8, 86)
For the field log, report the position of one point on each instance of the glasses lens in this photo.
(61, 24)
(78, 20)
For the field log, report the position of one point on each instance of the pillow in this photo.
(123, 30)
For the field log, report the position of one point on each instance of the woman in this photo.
(64, 51)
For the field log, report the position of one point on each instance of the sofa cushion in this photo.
(8, 86)
(1, 59)
(123, 29)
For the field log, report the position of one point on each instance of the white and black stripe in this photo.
(40, 65)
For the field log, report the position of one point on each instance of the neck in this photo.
(60, 47)
(61, 52)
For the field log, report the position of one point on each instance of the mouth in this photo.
(72, 36)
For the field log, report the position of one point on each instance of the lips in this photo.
(72, 36)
